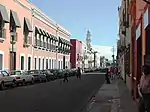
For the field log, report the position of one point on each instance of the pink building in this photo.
(29, 39)
(76, 53)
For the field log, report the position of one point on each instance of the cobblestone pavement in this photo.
(111, 98)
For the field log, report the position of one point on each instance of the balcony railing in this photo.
(38, 43)
(45, 44)
(2, 34)
(13, 38)
(41, 43)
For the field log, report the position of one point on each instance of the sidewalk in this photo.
(113, 97)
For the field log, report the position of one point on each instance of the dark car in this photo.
(73, 72)
(50, 76)
(59, 73)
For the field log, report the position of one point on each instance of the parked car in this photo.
(21, 77)
(86, 70)
(73, 72)
(38, 75)
(59, 73)
(50, 76)
(6, 80)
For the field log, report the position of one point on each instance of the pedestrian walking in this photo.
(107, 76)
(79, 73)
(66, 75)
(144, 89)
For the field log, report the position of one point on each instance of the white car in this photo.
(22, 77)
(6, 80)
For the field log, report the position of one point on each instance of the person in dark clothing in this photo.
(107, 76)
(66, 75)
(79, 73)
(144, 89)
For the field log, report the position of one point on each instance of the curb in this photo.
(84, 109)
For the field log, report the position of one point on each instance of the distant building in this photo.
(76, 55)
(85, 56)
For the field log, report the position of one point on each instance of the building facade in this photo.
(30, 39)
(85, 56)
(137, 40)
(124, 42)
(76, 56)
(139, 11)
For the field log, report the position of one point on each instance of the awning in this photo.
(64, 41)
(47, 34)
(68, 42)
(55, 38)
(44, 33)
(28, 24)
(60, 40)
(50, 36)
(15, 18)
(37, 30)
(4, 14)
(41, 31)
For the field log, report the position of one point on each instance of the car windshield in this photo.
(4, 73)
(16, 73)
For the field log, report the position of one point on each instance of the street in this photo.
(52, 96)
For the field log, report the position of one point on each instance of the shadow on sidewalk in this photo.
(127, 103)
(112, 97)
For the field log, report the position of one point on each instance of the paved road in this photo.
(51, 97)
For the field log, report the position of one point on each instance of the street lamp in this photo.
(147, 1)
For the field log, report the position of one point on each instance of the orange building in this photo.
(140, 17)
(29, 39)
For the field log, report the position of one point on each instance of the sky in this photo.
(104, 51)
(100, 16)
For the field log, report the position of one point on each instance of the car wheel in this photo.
(13, 84)
(23, 82)
(2, 86)
(40, 80)
(32, 81)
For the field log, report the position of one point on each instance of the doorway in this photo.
(29, 63)
(43, 64)
(64, 60)
(22, 62)
(1, 61)
(39, 63)
(12, 60)
(46, 63)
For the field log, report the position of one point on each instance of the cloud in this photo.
(104, 51)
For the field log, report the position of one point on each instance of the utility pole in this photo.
(113, 56)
